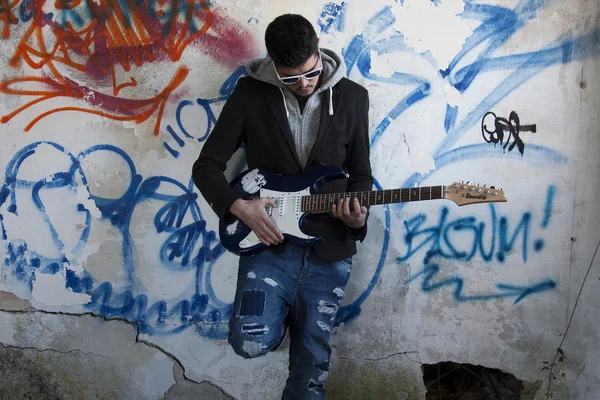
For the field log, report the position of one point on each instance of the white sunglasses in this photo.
(312, 74)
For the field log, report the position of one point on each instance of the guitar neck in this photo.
(322, 202)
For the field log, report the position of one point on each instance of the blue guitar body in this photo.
(287, 191)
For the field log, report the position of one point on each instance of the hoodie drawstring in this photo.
(287, 112)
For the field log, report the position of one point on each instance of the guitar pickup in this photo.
(269, 209)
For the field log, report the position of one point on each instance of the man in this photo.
(295, 111)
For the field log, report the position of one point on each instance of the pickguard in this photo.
(286, 215)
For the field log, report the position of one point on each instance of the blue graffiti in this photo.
(498, 25)
(205, 104)
(504, 290)
(188, 245)
(437, 241)
(332, 17)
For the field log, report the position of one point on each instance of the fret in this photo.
(413, 195)
(324, 202)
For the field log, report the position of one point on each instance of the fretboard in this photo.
(323, 202)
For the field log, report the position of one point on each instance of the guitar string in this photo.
(287, 200)
(370, 194)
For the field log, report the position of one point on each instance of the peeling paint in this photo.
(50, 290)
(253, 348)
(435, 22)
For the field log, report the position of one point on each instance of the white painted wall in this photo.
(509, 274)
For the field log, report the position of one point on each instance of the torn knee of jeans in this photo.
(324, 326)
(327, 307)
(315, 386)
(252, 304)
(320, 383)
(255, 329)
(339, 292)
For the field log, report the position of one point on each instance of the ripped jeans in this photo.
(295, 288)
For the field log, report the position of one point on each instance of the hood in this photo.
(334, 70)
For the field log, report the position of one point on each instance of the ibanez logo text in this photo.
(478, 197)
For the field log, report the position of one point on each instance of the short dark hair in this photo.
(291, 40)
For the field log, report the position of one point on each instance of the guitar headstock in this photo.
(467, 193)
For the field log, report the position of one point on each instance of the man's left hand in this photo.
(354, 219)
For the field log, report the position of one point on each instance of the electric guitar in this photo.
(298, 196)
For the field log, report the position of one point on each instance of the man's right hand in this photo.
(254, 215)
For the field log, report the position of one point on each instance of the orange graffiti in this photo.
(7, 16)
(119, 32)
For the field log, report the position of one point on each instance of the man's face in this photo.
(304, 87)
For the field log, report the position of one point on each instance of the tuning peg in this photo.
(492, 187)
(468, 182)
(484, 185)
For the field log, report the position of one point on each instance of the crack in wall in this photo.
(404, 353)
(7, 346)
(135, 325)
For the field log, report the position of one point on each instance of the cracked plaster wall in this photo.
(114, 284)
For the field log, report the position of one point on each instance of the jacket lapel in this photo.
(277, 107)
(325, 123)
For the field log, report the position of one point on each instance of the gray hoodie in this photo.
(304, 126)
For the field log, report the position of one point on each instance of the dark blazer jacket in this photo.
(255, 115)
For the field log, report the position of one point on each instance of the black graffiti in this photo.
(502, 126)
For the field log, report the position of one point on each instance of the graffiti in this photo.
(446, 239)
(501, 126)
(206, 105)
(7, 16)
(498, 25)
(332, 17)
(187, 244)
(104, 41)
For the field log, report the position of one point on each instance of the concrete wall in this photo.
(114, 283)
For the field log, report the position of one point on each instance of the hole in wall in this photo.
(453, 381)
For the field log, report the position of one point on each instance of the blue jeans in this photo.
(295, 288)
